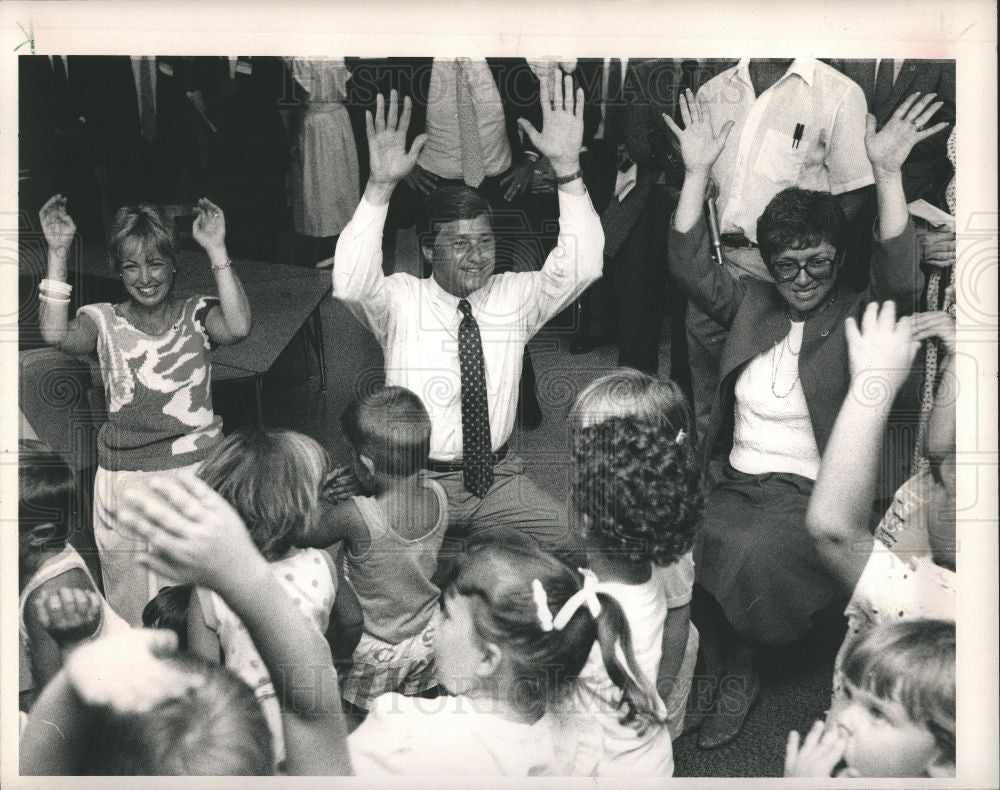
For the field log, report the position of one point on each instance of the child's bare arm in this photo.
(880, 353)
(95, 677)
(196, 536)
(675, 639)
(347, 619)
(335, 524)
(201, 640)
(48, 646)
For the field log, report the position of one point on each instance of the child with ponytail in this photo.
(514, 629)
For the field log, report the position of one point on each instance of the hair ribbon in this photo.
(587, 595)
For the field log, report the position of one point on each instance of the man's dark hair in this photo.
(796, 219)
(448, 204)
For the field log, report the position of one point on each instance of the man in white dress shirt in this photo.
(457, 338)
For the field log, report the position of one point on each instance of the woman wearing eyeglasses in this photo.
(783, 377)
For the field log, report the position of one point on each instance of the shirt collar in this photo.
(449, 302)
(802, 67)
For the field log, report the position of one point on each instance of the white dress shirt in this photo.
(442, 153)
(762, 157)
(416, 321)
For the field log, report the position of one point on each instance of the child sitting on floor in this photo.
(273, 479)
(392, 539)
(898, 716)
(46, 561)
(513, 629)
(637, 490)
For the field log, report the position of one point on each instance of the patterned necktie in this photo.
(473, 169)
(147, 100)
(477, 444)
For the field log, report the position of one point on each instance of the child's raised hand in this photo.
(881, 352)
(69, 614)
(57, 225)
(209, 226)
(818, 755)
(126, 672)
(192, 533)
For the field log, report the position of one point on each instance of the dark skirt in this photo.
(754, 555)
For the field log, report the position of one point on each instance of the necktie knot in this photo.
(465, 308)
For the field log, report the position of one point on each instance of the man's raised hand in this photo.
(888, 148)
(562, 125)
(390, 161)
(700, 146)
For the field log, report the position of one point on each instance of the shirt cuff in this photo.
(574, 203)
(850, 186)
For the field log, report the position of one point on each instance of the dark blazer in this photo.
(251, 144)
(113, 120)
(927, 169)
(600, 159)
(756, 317)
(52, 130)
(516, 83)
(652, 88)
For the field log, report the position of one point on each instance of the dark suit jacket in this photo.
(651, 89)
(516, 83)
(756, 317)
(50, 125)
(600, 160)
(251, 144)
(927, 170)
(113, 123)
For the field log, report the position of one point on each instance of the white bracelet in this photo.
(45, 298)
(227, 265)
(56, 286)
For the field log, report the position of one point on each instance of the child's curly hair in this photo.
(639, 488)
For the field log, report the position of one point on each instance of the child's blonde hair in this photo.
(273, 478)
(217, 729)
(911, 662)
(630, 393)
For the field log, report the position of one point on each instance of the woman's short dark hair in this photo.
(796, 219)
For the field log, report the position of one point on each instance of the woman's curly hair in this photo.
(640, 489)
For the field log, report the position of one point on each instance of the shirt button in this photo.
(824, 333)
